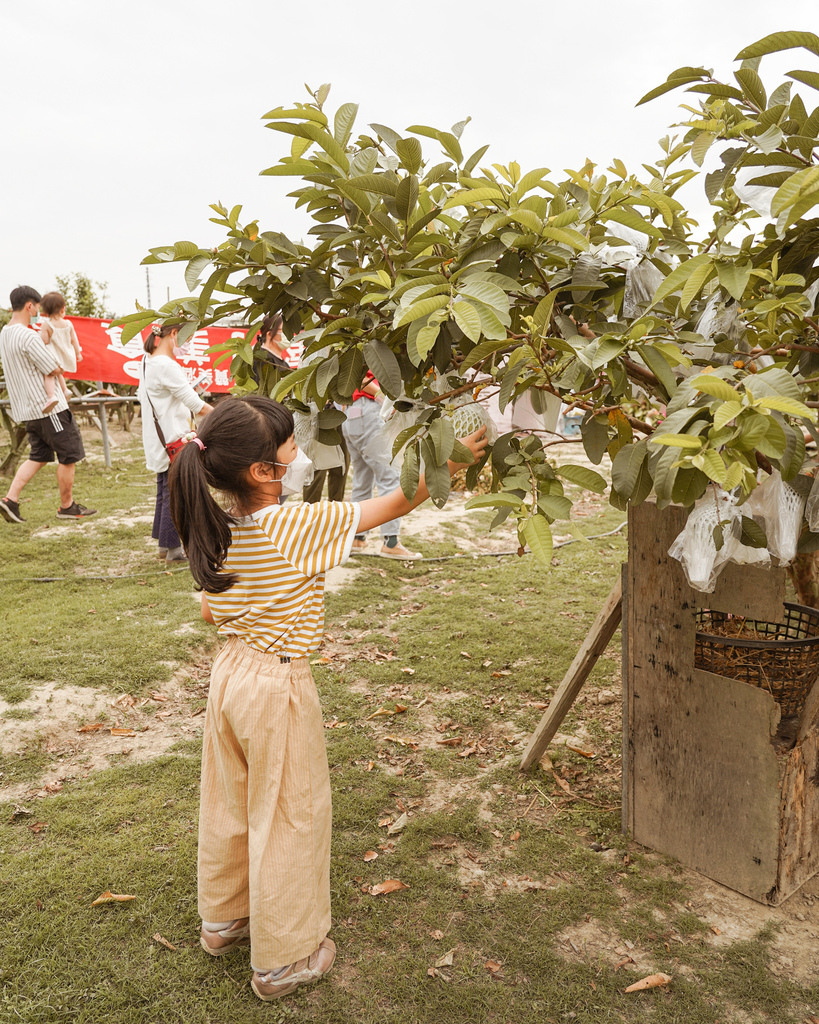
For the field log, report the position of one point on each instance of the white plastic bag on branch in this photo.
(305, 432)
(642, 281)
(778, 508)
(812, 507)
(695, 547)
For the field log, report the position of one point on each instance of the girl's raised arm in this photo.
(377, 511)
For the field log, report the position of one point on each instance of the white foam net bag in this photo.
(696, 549)
(305, 434)
(778, 508)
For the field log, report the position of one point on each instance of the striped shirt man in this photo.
(281, 555)
(26, 361)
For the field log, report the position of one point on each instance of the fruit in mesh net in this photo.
(466, 419)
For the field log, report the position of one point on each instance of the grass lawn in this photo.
(507, 875)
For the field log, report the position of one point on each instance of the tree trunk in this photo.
(17, 437)
(804, 574)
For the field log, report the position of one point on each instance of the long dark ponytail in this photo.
(238, 433)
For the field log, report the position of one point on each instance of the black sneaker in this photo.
(10, 510)
(75, 511)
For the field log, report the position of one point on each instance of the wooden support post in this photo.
(593, 646)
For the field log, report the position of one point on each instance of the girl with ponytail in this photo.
(264, 823)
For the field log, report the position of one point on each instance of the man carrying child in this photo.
(26, 362)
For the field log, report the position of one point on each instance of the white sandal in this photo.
(275, 984)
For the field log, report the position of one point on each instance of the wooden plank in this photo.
(702, 772)
(597, 640)
(626, 659)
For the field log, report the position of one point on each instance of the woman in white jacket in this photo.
(168, 401)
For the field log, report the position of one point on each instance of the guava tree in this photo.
(448, 276)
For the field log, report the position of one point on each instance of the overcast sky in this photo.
(123, 122)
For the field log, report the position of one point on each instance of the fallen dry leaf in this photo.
(493, 967)
(112, 897)
(715, 930)
(95, 727)
(623, 962)
(157, 696)
(468, 751)
(321, 661)
(37, 827)
(432, 972)
(387, 886)
(583, 753)
(370, 766)
(383, 822)
(379, 712)
(163, 941)
(453, 741)
(398, 825)
(123, 732)
(409, 671)
(370, 855)
(402, 741)
(501, 672)
(437, 934)
(652, 981)
(514, 837)
(446, 959)
(19, 812)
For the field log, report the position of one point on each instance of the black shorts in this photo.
(45, 441)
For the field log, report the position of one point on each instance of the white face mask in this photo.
(298, 474)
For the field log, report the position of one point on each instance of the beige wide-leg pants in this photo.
(265, 816)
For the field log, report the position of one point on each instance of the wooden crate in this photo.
(702, 780)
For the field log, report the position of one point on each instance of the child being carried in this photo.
(60, 333)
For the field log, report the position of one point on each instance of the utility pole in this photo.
(148, 285)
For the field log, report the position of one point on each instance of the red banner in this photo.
(106, 359)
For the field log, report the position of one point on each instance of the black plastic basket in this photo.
(780, 657)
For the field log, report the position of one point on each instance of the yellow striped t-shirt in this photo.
(280, 555)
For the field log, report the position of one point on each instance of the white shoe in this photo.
(399, 552)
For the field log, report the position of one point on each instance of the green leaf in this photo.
(682, 76)
(810, 78)
(625, 468)
(419, 309)
(286, 384)
(530, 180)
(631, 218)
(710, 384)
(442, 435)
(378, 183)
(344, 121)
(480, 352)
(734, 277)
(712, 465)
(678, 277)
(410, 472)
(421, 339)
(659, 366)
(436, 476)
(472, 196)
(490, 294)
(789, 407)
(294, 168)
(556, 506)
(543, 311)
(325, 372)
(694, 284)
(185, 250)
(350, 372)
(726, 412)
(409, 153)
(752, 87)
(566, 236)
(382, 361)
(406, 197)
(677, 440)
(752, 535)
(780, 41)
(467, 318)
(583, 477)
(302, 113)
(495, 500)
(538, 536)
